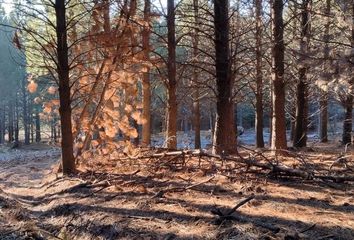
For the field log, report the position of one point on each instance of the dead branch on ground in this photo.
(161, 193)
(268, 164)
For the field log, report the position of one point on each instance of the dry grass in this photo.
(117, 200)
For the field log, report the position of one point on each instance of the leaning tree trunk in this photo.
(348, 120)
(196, 101)
(171, 137)
(225, 134)
(278, 101)
(68, 161)
(324, 91)
(259, 76)
(146, 126)
(300, 136)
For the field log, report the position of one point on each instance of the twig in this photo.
(232, 210)
(308, 228)
(240, 204)
(228, 216)
(160, 193)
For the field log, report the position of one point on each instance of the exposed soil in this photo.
(170, 198)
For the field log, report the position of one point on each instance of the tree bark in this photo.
(146, 126)
(68, 161)
(25, 118)
(211, 121)
(278, 101)
(2, 125)
(55, 136)
(225, 134)
(171, 138)
(348, 120)
(196, 101)
(31, 122)
(324, 91)
(58, 131)
(38, 126)
(11, 122)
(300, 136)
(131, 89)
(196, 118)
(17, 129)
(259, 76)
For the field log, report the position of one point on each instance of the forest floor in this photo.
(170, 198)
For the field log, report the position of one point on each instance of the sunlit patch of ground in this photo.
(152, 199)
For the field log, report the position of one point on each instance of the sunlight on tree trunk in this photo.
(300, 136)
(146, 126)
(324, 90)
(278, 101)
(68, 161)
(225, 134)
(259, 76)
(348, 119)
(172, 108)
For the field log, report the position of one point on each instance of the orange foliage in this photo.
(32, 86)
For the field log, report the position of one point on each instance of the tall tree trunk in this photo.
(17, 129)
(300, 136)
(294, 9)
(324, 92)
(270, 112)
(25, 118)
(58, 131)
(196, 101)
(38, 126)
(2, 125)
(31, 122)
(51, 131)
(259, 76)
(211, 121)
(132, 89)
(196, 118)
(146, 126)
(348, 120)
(11, 121)
(271, 93)
(278, 101)
(68, 161)
(55, 136)
(225, 134)
(171, 75)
